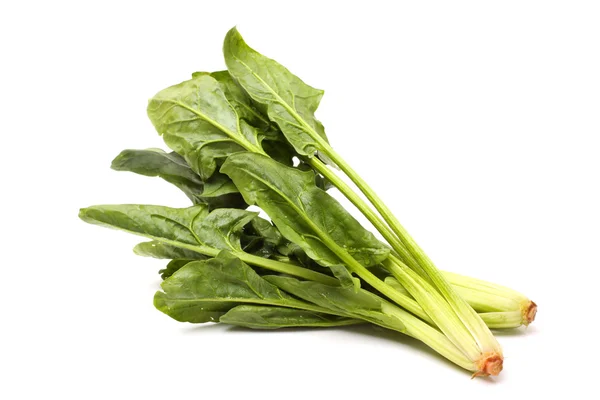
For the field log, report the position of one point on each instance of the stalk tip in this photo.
(489, 364)
(529, 311)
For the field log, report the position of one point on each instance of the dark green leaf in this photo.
(280, 151)
(303, 213)
(197, 121)
(221, 229)
(157, 249)
(172, 267)
(261, 238)
(290, 102)
(268, 317)
(192, 228)
(202, 291)
(253, 113)
(165, 224)
(358, 304)
(262, 228)
(217, 191)
(189, 228)
(218, 185)
(320, 180)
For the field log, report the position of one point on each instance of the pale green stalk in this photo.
(503, 319)
(497, 298)
(435, 306)
(499, 307)
(431, 337)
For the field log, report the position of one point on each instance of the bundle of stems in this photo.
(235, 135)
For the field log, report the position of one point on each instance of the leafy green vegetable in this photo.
(304, 214)
(193, 229)
(246, 109)
(362, 304)
(198, 122)
(165, 224)
(260, 237)
(290, 102)
(249, 135)
(161, 250)
(222, 228)
(268, 317)
(202, 291)
(217, 191)
(172, 267)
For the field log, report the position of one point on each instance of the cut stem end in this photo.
(529, 312)
(489, 364)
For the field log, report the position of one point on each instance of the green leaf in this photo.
(197, 121)
(264, 229)
(165, 224)
(217, 191)
(261, 238)
(290, 102)
(172, 267)
(202, 291)
(303, 213)
(268, 317)
(190, 228)
(358, 304)
(221, 229)
(280, 150)
(320, 180)
(217, 186)
(160, 250)
(253, 113)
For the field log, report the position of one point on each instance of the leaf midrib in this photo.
(307, 128)
(298, 210)
(238, 138)
(295, 304)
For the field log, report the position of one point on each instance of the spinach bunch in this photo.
(234, 137)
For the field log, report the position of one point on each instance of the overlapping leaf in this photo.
(192, 228)
(290, 102)
(254, 113)
(217, 191)
(202, 291)
(269, 317)
(197, 121)
(302, 212)
(261, 238)
(173, 266)
(156, 249)
(361, 303)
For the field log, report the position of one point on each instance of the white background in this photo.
(478, 122)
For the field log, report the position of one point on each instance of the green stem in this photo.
(432, 338)
(272, 265)
(479, 331)
(356, 267)
(411, 250)
(480, 301)
(435, 306)
(286, 268)
(485, 302)
(502, 319)
(497, 312)
(366, 210)
(484, 287)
